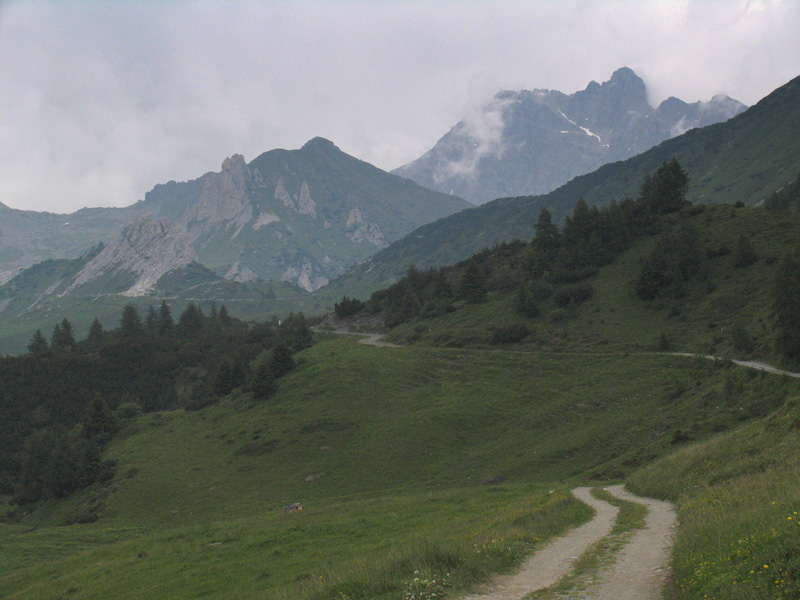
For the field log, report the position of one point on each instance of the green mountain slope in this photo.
(744, 159)
(446, 459)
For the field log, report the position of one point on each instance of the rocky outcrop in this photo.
(531, 142)
(305, 276)
(147, 249)
(224, 199)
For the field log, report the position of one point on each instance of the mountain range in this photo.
(744, 159)
(299, 216)
(525, 142)
(266, 233)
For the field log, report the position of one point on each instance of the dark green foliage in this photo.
(101, 423)
(38, 344)
(263, 383)
(786, 303)
(120, 374)
(473, 286)
(674, 261)
(510, 334)
(63, 336)
(165, 323)
(151, 320)
(788, 198)
(191, 321)
(348, 307)
(665, 191)
(280, 361)
(743, 254)
(130, 324)
(230, 375)
(295, 333)
(53, 464)
(224, 318)
(96, 333)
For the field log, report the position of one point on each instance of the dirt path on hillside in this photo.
(638, 573)
(750, 364)
(640, 570)
(555, 559)
(368, 339)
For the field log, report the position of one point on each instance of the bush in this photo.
(348, 307)
(510, 334)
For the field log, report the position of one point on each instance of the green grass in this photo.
(388, 448)
(362, 549)
(737, 498)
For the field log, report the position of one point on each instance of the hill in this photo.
(451, 457)
(745, 160)
(531, 142)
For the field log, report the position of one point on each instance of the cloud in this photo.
(101, 101)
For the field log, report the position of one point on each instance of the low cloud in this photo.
(100, 101)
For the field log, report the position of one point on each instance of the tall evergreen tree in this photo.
(130, 324)
(151, 320)
(281, 360)
(165, 323)
(96, 332)
(191, 320)
(38, 344)
(63, 335)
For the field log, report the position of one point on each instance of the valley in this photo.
(485, 386)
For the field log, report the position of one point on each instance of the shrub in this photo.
(510, 334)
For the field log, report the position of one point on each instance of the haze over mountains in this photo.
(297, 219)
(299, 216)
(531, 142)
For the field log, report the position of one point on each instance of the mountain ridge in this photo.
(532, 141)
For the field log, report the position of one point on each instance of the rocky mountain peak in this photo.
(531, 142)
(147, 249)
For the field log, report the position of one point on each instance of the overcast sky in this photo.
(100, 101)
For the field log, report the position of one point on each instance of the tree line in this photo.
(59, 402)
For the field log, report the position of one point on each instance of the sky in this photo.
(101, 101)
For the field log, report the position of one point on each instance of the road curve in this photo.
(637, 573)
(555, 559)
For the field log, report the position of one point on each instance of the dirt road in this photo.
(638, 572)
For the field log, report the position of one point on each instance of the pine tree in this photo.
(130, 323)
(151, 320)
(63, 336)
(96, 332)
(191, 320)
(165, 323)
(472, 286)
(281, 360)
(38, 344)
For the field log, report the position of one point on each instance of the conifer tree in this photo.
(38, 344)
(165, 323)
(130, 323)
(96, 332)
(281, 360)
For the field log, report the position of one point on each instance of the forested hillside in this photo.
(61, 402)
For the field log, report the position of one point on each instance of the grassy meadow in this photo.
(426, 464)
(738, 498)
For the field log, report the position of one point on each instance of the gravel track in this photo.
(638, 572)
